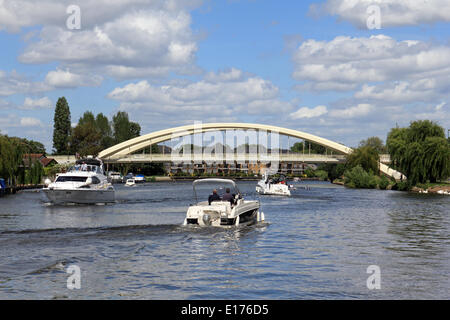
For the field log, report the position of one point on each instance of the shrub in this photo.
(383, 183)
(310, 173)
(402, 186)
(322, 174)
(357, 177)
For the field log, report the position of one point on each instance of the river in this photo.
(316, 244)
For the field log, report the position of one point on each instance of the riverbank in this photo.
(437, 189)
(15, 189)
(191, 178)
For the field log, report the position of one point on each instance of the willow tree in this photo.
(11, 159)
(420, 151)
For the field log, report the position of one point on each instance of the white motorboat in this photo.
(85, 183)
(130, 183)
(115, 177)
(273, 186)
(217, 213)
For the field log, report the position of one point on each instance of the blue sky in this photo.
(314, 66)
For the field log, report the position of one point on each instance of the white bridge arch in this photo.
(131, 146)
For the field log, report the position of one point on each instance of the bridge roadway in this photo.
(233, 157)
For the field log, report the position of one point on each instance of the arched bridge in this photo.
(125, 152)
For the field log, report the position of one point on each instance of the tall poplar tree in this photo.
(61, 127)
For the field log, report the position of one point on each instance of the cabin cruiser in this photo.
(130, 183)
(84, 183)
(273, 185)
(115, 177)
(235, 211)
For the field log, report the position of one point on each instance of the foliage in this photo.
(29, 146)
(61, 127)
(11, 160)
(374, 142)
(322, 174)
(310, 173)
(123, 128)
(105, 130)
(367, 157)
(85, 139)
(402, 186)
(36, 172)
(357, 177)
(421, 151)
(307, 146)
(333, 170)
(91, 135)
(383, 182)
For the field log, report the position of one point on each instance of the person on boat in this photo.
(213, 197)
(228, 196)
(84, 166)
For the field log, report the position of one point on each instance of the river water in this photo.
(316, 244)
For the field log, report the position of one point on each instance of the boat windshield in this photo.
(203, 188)
(70, 179)
(85, 167)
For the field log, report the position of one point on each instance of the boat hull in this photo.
(80, 196)
(274, 190)
(246, 213)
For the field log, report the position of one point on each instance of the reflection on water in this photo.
(316, 244)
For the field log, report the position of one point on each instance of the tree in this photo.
(30, 146)
(11, 159)
(61, 127)
(367, 157)
(85, 139)
(307, 146)
(123, 128)
(375, 143)
(420, 151)
(104, 128)
(334, 170)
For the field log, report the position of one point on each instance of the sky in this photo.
(344, 70)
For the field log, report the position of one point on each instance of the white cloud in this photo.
(18, 14)
(379, 67)
(67, 79)
(231, 93)
(42, 103)
(14, 83)
(138, 39)
(306, 112)
(31, 122)
(360, 110)
(393, 13)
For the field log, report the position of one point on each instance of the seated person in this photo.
(213, 197)
(228, 196)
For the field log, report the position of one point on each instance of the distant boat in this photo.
(273, 186)
(130, 183)
(115, 177)
(139, 178)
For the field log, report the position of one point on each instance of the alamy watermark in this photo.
(374, 17)
(374, 280)
(73, 21)
(74, 280)
(226, 146)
